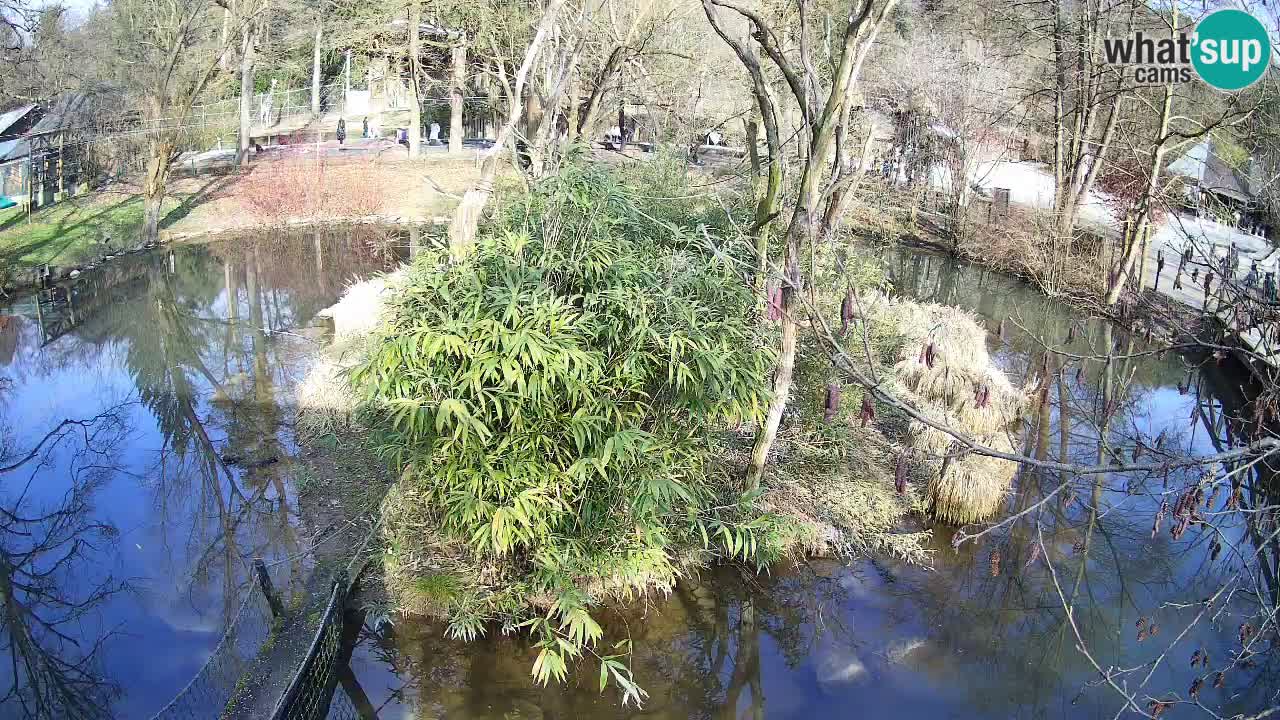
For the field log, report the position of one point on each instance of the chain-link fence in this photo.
(213, 687)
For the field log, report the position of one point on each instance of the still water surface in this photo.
(127, 533)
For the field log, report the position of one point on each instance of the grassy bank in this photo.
(71, 231)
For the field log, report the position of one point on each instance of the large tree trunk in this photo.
(415, 104)
(457, 86)
(160, 155)
(466, 220)
(591, 109)
(246, 96)
(315, 72)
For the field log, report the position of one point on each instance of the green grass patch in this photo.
(71, 231)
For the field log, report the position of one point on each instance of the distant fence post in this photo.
(999, 208)
(268, 589)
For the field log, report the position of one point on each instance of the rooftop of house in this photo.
(1214, 174)
(12, 117)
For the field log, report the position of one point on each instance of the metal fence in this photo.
(311, 690)
(213, 687)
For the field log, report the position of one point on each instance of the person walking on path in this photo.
(1208, 285)
(1159, 268)
(342, 130)
(1269, 287)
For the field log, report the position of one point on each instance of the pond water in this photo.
(125, 533)
(145, 441)
(878, 639)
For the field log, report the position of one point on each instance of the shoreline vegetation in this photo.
(569, 413)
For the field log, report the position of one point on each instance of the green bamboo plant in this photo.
(557, 400)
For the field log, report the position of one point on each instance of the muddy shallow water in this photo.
(126, 533)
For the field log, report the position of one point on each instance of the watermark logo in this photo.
(1229, 50)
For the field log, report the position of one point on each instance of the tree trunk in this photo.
(415, 104)
(753, 152)
(592, 107)
(466, 221)
(622, 123)
(858, 33)
(1133, 243)
(457, 85)
(246, 96)
(315, 72)
(160, 155)
(575, 108)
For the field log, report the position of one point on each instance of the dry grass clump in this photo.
(326, 403)
(944, 369)
(844, 504)
(970, 489)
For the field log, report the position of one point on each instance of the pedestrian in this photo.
(1251, 279)
(1269, 287)
(1186, 254)
(1159, 268)
(364, 133)
(1195, 275)
(1208, 284)
(342, 130)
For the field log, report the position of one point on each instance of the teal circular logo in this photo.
(1231, 49)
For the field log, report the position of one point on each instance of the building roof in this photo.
(12, 117)
(1213, 174)
(69, 111)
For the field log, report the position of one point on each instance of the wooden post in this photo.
(268, 589)
(457, 85)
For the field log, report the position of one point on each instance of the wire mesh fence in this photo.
(213, 687)
(312, 688)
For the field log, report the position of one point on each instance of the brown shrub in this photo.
(313, 190)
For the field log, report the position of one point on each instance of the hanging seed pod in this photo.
(995, 563)
(1155, 526)
(1142, 621)
(1194, 690)
(1035, 555)
(1233, 502)
(1204, 659)
(1157, 708)
(868, 412)
(1078, 547)
(900, 475)
(1213, 495)
(1246, 632)
(1154, 630)
(1195, 658)
(1220, 680)
(846, 312)
(1142, 635)
(832, 407)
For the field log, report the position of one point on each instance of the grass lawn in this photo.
(74, 230)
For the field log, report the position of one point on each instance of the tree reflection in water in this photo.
(51, 584)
